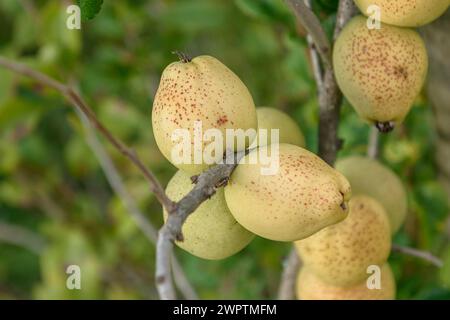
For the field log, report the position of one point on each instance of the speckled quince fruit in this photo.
(289, 131)
(380, 71)
(311, 287)
(340, 254)
(302, 197)
(406, 13)
(205, 91)
(210, 232)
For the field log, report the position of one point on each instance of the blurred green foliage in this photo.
(52, 184)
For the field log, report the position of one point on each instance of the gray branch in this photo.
(206, 185)
(425, 255)
(78, 103)
(330, 100)
(315, 59)
(291, 265)
(311, 23)
(116, 182)
(373, 144)
(21, 237)
(330, 97)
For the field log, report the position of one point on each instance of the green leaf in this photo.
(89, 8)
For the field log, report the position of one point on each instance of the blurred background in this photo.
(58, 209)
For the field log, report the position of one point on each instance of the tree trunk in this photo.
(437, 38)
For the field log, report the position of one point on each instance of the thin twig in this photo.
(372, 152)
(330, 97)
(291, 265)
(205, 188)
(182, 282)
(347, 9)
(206, 185)
(21, 237)
(311, 23)
(155, 186)
(116, 183)
(78, 102)
(373, 144)
(425, 255)
(315, 59)
(49, 206)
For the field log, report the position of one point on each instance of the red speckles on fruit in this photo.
(406, 13)
(205, 90)
(341, 253)
(222, 120)
(304, 196)
(380, 71)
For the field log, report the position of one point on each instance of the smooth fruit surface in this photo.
(380, 71)
(406, 13)
(210, 232)
(311, 287)
(203, 90)
(304, 196)
(340, 254)
(370, 177)
(289, 131)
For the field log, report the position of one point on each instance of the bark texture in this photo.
(437, 38)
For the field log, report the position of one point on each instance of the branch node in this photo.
(179, 237)
(222, 182)
(160, 279)
(194, 179)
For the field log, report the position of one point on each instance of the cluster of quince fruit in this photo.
(307, 201)
(304, 196)
(380, 71)
(338, 260)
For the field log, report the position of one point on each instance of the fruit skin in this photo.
(341, 253)
(311, 287)
(304, 196)
(406, 13)
(210, 232)
(203, 90)
(368, 176)
(289, 131)
(380, 72)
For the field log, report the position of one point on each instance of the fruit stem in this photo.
(385, 127)
(182, 56)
